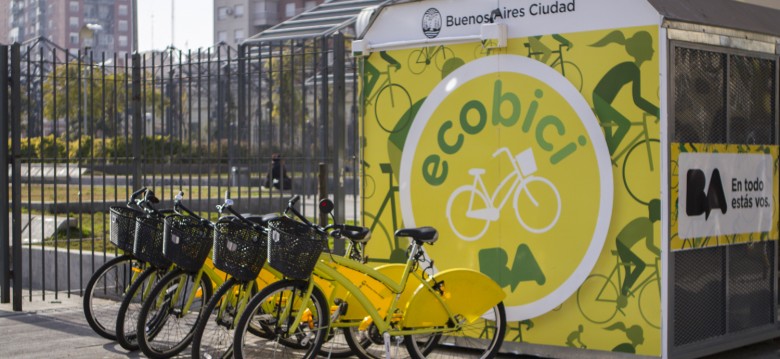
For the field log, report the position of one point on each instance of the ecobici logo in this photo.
(431, 23)
(506, 159)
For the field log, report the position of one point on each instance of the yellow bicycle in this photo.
(433, 314)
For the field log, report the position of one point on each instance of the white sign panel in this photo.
(439, 20)
(724, 194)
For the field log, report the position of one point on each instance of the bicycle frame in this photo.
(327, 269)
(514, 180)
(642, 135)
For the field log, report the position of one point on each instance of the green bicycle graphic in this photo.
(420, 59)
(568, 69)
(380, 234)
(599, 298)
(392, 101)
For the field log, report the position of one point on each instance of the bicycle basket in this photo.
(239, 250)
(293, 247)
(186, 242)
(122, 232)
(149, 241)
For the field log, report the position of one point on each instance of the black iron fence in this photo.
(82, 130)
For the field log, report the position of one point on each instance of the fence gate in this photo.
(82, 130)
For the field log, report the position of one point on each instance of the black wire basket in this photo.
(122, 232)
(187, 242)
(239, 249)
(293, 247)
(148, 245)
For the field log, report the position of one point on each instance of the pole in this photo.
(5, 249)
(135, 25)
(137, 121)
(16, 179)
(339, 131)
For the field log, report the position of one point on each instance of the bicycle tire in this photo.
(517, 206)
(655, 284)
(305, 343)
(163, 329)
(218, 322)
(131, 305)
(466, 221)
(654, 172)
(574, 77)
(400, 103)
(467, 341)
(369, 344)
(104, 293)
(441, 57)
(417, 61)
(602, 313)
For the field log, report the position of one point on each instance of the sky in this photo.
(193, 24)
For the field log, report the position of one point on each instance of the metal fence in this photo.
(85, 129)
(726, 294)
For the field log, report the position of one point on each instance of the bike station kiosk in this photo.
(611, 164)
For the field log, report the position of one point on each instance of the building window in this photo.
(238, 10)
(74, 38)
(309, 5)
(222, 36)
(289, 10)
(74, 21)
(123, 25)
(239, 35)
(222, 13)
(122, 40)
(122, 10)
(74, 6)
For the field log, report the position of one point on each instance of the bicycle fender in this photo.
(467, 293)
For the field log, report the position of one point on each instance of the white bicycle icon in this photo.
(481, 208)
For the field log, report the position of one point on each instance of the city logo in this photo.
(698, 201)
(431, 23)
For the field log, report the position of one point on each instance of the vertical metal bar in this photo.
(16, 179)
(5, 248)
(241, 120)
(339, 129)
(324, 124)
(137, 121)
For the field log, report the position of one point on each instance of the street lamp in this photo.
(87, 35)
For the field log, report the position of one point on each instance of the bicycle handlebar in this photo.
(334, 230)
(178, 206)
(502, 149)
(132, 199)
(228, 205)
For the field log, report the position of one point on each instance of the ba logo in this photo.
(431, 23)
(700, 202)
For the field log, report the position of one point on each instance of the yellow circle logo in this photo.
(506, 159)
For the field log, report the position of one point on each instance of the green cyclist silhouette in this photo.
(574, 339)
(634, 333)
(635, 231)
(640, 47)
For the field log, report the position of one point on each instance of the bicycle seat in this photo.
(262, 219)
(477, 171)
(427, 235)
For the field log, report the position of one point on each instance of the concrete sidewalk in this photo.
(57, 328)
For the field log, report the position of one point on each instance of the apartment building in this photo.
(236, 20)
(103, 25)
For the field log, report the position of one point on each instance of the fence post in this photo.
(339, 131)
(137, 121)
(16, 178)
(5, 249)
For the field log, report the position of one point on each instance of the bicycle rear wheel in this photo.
(369, 343)
(131, 307)
(480, 339)
(165, 325)
(275, 309)
(105, 291)
(213, 337)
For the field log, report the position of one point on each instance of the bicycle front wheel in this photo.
(469, 213)
(275, 309)
(129, 311)
(539, 210)
(167, 320)
(480, 339)
(369, 343)
(215, 329)
(642, 170)
(105, 291)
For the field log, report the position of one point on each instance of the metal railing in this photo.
(87, 128)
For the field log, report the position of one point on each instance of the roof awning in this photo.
(322, 20)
